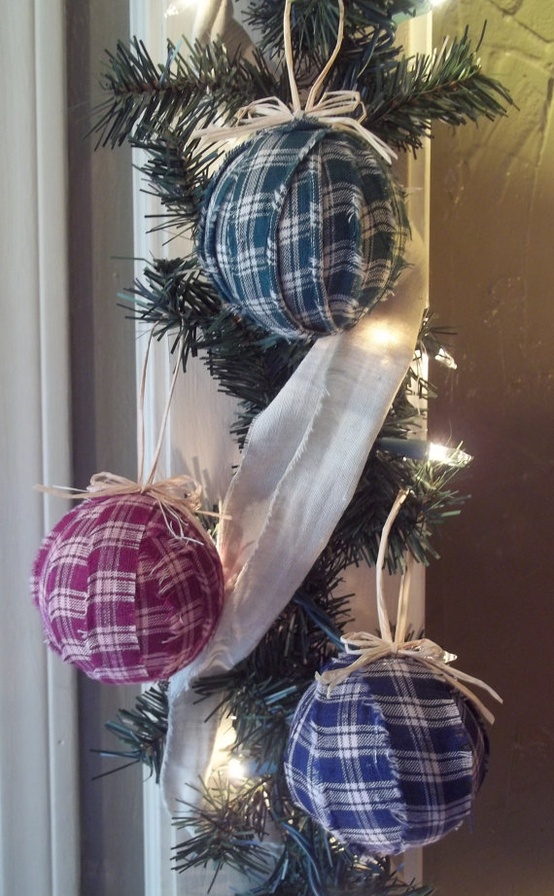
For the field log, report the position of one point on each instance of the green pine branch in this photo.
(252, 366)
(430, 502)
(175, 299)
(142, 730)
(314, 26)
(314, 862)
(144, 99)
(404, 98)
(157, 108)
(227, 829)
(261, 692)
(177, 168)
(230, 828)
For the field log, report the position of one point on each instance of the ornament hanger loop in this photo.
(176, 497)
(368, 648)
(335, 108)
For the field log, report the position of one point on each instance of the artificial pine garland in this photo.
(158, 108)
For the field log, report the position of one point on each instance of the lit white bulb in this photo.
(444, 357)
(236, 770)
(381, 335)
(452, 457)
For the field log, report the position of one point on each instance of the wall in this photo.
(103, 411)
(490, 596)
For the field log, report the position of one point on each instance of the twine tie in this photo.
(369, 648)
(336, 108)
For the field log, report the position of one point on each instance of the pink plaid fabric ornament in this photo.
(127, 590)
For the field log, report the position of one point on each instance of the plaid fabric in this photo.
(302, 230)
(119, 596)
(391, 759)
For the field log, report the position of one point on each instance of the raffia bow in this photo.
(177, 497)
(335, 108)
(368, 648)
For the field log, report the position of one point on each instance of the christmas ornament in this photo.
(390, 759)
(124, 597)
(129, 585)
(303, 229)
(387, 750)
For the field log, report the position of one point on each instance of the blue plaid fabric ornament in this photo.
(391, 758)
(303, 229)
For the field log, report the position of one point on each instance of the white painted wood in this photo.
(39, 822)
(416, 37)
(147, 21)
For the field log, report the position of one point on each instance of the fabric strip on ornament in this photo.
(300, 467)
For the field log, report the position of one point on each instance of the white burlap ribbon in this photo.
(368, 648)
(300, 467)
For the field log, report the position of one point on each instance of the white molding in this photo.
(147, 21)
(39, 819)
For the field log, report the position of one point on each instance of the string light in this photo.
(381, 335)
(445, 358)
(236, 770)
(416, 449)
(452, 457)
(442, 356)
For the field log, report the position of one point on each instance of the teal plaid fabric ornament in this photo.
(391, 758)
(303, 229)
